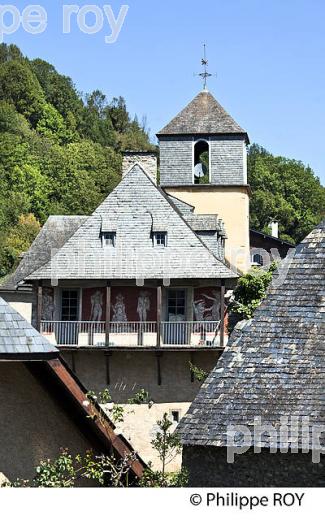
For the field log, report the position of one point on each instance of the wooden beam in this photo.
(222, 313)
(158, 356)
(192, 363)
(39, 305)
(159, 305)
(102, 425)
(108, 367)
(108, 313)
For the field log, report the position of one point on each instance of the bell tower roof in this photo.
(203, 115)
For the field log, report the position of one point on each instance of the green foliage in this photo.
(199, 374)
(156, 479)
(140, 397)
(284, 190)
(60, 153)
(166, 443)
(250, 291)
(66, 470)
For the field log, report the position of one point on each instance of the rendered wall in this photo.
(231, 203)
(32, 426)
(130, 372)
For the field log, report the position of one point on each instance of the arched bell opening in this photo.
(201, 162)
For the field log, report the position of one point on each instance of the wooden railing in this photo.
(132, 334)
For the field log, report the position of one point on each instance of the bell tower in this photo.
(203, 161)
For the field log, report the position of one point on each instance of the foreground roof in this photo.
(53, 235)
(203, 115)
(275, 365)
(135, 209)
(18, 339)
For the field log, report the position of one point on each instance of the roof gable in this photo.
(274, 365)
(53, 235)
(19, 339)
(203, 115)
(135, 208)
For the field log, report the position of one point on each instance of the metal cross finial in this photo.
(205, 74)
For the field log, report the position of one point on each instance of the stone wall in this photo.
(227, 158)
(208, 467)
(32, 426)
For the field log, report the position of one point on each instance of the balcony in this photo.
(133, 335)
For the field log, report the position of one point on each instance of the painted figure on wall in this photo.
(202, 312)
(143, 305)
(119, 314)
(48, 304)
(214, 309)
(96, 306)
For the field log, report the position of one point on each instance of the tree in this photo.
(284, 190)
(19, 86)
(18, 241)
(249, 293)
(166, 443)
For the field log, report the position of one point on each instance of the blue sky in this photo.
(268, 56)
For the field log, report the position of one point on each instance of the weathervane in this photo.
(205, 74)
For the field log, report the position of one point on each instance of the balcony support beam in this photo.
(39, 305)
(158, 357)
(108, 367)
(222, 313)
(159, 303)
(108, 313)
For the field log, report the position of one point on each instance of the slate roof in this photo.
(55, 232)
(19, 339)
(141, 207)
(203, 115)
(275, 364)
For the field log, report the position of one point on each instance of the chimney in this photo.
(148, 161)
(274, 229)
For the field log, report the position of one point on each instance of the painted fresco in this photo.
(127, 304)
(48, 304)
(94, 304)
(206, 304)
(133, 304)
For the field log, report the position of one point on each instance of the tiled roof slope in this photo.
(19, 338)
(275, 365)
(134, 209)
(55, 232)
(203, 115)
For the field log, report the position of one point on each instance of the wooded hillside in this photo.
(60, 153)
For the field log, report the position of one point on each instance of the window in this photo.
(70, 305)
(108, 239)
(201, 164)
(257, 259)
(160, 239)
(175, 416)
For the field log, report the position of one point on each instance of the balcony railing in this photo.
(132, 334)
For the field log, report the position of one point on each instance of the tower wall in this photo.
(227, 159)
(231, 203)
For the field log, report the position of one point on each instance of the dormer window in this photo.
(160, 239)
(108, 238)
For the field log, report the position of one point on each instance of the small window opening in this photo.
(257, 259)
(175, 416)
(160, 239)
(201, 162)
(108, 239)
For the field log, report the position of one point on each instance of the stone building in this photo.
(272, 371)
(134, 293)
(42, 405)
